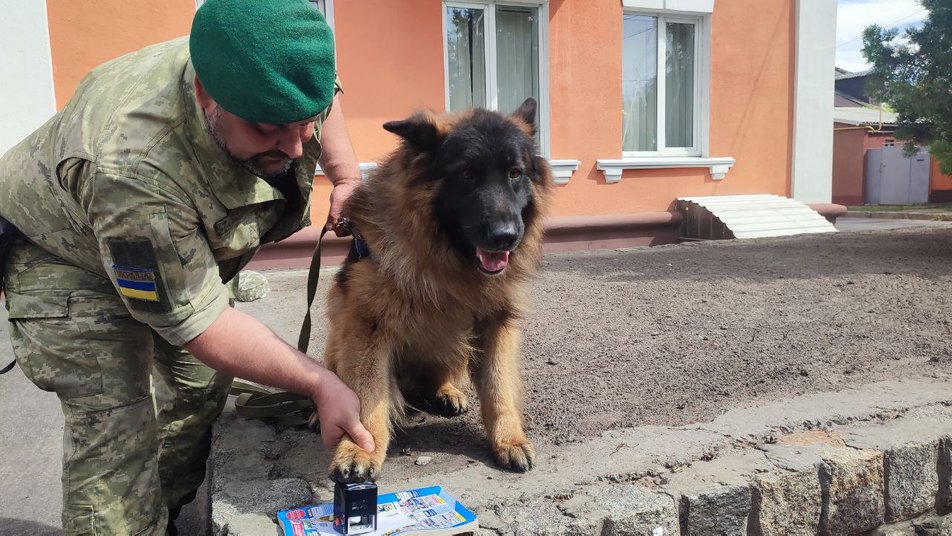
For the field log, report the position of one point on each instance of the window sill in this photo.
(562, 170)
(688, 6)
(613, 168)
(365, 168)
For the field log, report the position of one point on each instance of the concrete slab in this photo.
(688, 470)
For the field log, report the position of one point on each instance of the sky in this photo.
(853, 16)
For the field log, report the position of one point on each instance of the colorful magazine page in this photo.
(425, 511)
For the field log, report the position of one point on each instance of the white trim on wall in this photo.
(613, 168)
(28, 98)
(562, 170)
(812, 168)
(705, 7)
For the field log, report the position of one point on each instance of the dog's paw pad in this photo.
(452, 401)
(351, 464)
(517, 456)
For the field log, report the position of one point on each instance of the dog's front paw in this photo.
(450, 401)
(353, 464)
(516, 455)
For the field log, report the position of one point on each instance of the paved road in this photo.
(31, 433)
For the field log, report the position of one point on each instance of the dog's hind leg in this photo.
(433, 391)
(450, 400)
(496, 375)
(363, 362)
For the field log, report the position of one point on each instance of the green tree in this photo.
(914, 76)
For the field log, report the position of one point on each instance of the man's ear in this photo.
(420, 130)
(527, 112)
(204, 99)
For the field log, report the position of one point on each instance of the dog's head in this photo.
(485, 167)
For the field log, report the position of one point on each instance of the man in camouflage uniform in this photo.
(136, 204)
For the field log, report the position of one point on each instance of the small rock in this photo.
(423, 460)
(251, 286)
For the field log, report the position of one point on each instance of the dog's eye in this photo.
(515, 173)
(467, 174)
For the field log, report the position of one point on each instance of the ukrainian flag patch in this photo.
(137, 283)
(138, 275)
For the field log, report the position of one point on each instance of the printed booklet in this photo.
(424, 512)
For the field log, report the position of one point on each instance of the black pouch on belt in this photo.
(8, 234)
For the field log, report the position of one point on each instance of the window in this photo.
(661, 85)
(493, 57)
(326, 7)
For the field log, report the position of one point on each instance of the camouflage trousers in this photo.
(130, 454)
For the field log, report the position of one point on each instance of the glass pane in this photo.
(640, 83)
(466, 57)
(517, 56)
(679, 85)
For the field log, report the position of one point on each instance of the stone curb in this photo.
(876, 458)
(930, 216)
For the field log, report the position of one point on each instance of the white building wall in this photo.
(26, 70)
(812, 174)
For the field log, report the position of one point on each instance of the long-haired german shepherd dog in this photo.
(452, 222)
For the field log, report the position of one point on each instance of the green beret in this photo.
(266, 61)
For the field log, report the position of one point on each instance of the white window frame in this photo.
(492, 98)
(325, 6)
(698, 12)
(663, 19)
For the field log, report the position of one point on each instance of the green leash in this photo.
(280, 407)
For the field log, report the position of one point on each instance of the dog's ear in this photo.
(527, 112)
(419, 129)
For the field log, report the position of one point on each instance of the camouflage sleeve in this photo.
(156, 255)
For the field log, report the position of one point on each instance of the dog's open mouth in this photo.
(492, 262)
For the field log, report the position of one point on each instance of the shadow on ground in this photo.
(21, 527)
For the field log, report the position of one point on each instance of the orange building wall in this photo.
(848, 164)
(751, 106)
(388, 72)
(939, 181)
(86, 33)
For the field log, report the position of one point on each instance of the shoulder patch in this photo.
(137, 275)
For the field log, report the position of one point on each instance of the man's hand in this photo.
(339, 163)
(339, 195)
(339, 411)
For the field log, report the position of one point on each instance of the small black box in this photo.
(355, 508)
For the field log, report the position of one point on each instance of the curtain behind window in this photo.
(466, 57)
(640, 83)
(679, 85)
(517, 56)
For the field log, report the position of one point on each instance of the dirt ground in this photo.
(678, 334)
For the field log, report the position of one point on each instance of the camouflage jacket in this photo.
(127, 182)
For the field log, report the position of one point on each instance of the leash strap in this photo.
(313, 275)
(283, 408)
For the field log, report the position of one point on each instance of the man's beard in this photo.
(252, 164)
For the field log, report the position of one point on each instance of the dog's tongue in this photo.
(492, 261)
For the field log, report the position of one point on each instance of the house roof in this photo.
(863, 116)
(842, 99)
(843, 75)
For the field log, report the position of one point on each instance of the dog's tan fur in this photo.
(415, 316)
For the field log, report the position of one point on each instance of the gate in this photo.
(892, 178)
